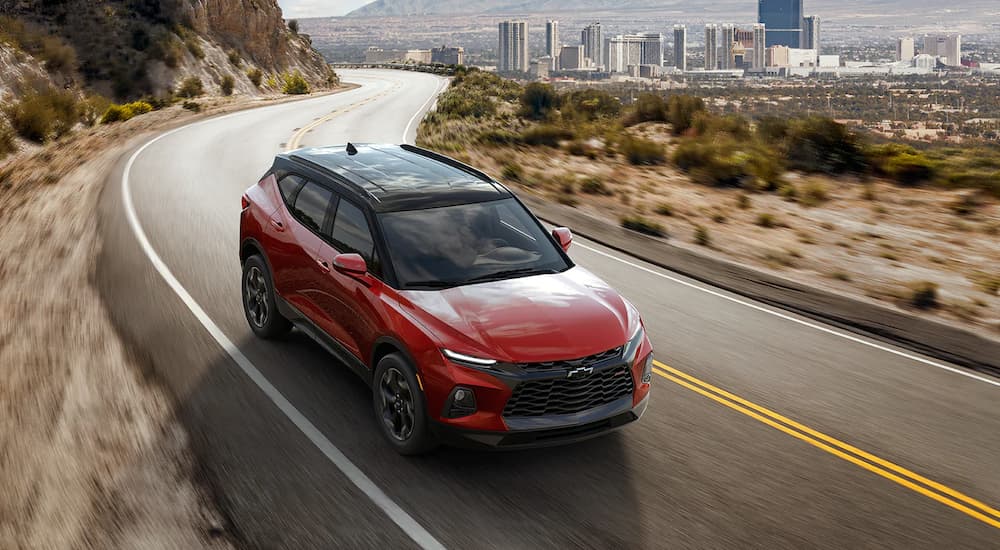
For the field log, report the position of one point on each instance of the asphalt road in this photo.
(823, 439)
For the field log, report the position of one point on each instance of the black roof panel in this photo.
(404, 177)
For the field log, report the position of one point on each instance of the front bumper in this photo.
(547, 430)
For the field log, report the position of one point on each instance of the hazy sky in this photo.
(318, 8)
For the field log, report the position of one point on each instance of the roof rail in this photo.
(358, 187)
(447, 160)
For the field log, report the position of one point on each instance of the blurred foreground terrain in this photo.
(911, 225)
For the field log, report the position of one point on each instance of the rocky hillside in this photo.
(124, 49)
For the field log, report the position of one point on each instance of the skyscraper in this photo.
(593, 43)
(634, 49)
(810, 33)
(905, 50)
(552, 42)
(680, 47)
(513, 50)
(948, 47)
(727, 51)
(759, 46)
(783, 19)
(711, 47)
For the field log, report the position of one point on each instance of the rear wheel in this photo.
(400, 408)
(259, 303)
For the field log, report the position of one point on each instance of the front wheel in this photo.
(259, 303)
(400, 408)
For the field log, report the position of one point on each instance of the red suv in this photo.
(436, 285)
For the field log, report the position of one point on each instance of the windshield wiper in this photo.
(509, 273)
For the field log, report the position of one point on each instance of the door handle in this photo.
(277, 224)
(323, 265)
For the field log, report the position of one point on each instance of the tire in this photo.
(259, 303)
(396, 395)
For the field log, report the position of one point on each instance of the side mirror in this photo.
(563, 236)
(350, 264)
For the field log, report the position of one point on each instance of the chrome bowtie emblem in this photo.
(580, 372)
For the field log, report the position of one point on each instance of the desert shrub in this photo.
(707, 124)
(512, 171)
(987, 282)
(589, 104)
(643, 225)
(664, 209)
(255, 75)
(594, 186)
(648, 108)
(701, 236)
(499, 137)
(547, 135)
(771, 129)
(724, 161)
(234, 58)
(819, 144)
(43, 114)
(538, 101)
(923, 295)
(681, 111)
(92, 108)
(640, 151)
(227, 85)
(120, 113)
(295, 84)
(192, 106)
(788, 192)
(190, 87)
(814, 193)
(194, 46)
(472, 105)
(966, 203)
(743, 202)
(579, 148)
(7, 135)
(293, 25)
(910, 169)
(767, 220)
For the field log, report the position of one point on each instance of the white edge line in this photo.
(422, 108)
(399, 516)
(794, 319)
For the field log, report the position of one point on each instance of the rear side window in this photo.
(351, 233)
(311, 204)
(289, 186)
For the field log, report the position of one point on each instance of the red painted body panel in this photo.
(540, 318)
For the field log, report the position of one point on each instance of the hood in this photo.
(529, 319)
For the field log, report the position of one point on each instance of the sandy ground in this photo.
(869, 240)
(90, 453)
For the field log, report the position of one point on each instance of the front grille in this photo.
(573, 363)
(566, 396)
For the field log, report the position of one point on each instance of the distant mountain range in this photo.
(927, 8)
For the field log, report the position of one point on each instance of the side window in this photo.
(289, 186)
(351, 234)
(311, 204)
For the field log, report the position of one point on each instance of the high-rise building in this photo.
(634, 49)
(680, 47)
(948, 47)
(571, 57)
(448, 56)
(759, 46)
(783, 19)
(776, 56)
(513, 50)
(552, 42)
(593, 43)
(810, 33)
(727, 50)
(711, 47)
(905, 49)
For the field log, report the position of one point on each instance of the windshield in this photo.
(467, 243)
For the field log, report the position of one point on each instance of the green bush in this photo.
(725, 162)
(227, 85)
(293, 25)
(819, 144)
(191, 87)
(641, 151)
(642, 225)
(546, 135)
(538, 101)
(512, 171)
(295, 84)
(766, 220)
(814, 193)
(910, 169)
(472, 105)
(234, 57)
(92, 108)
(681, 111)
(701, 236)
(499, 137)
(194, 46)
(648, 108)
(923, 295)
(43, 114)
(589, 104)
(121, 113)
(594, 186)
(255, 75)
(664, 209)
(192, 106)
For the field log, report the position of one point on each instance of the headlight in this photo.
(468, 359)
(632, 346)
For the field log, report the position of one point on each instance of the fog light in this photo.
(461, 402)
(647, 370)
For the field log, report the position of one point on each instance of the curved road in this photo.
(765, 429)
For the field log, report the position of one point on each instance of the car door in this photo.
(349, 301)
(298, 270)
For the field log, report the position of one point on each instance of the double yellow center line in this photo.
(296, 141)
(911, 480)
